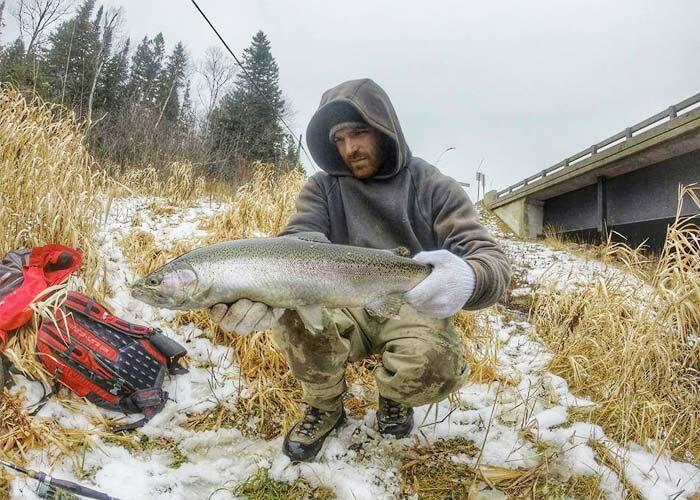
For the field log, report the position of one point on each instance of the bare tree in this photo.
(218, 71)
(35, 17)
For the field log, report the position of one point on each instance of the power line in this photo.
(252, 81)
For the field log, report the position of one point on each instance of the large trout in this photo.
(287, 272)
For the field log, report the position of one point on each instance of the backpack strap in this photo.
(146, 401)
(172, 351)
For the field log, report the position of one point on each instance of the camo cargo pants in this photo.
(421, 357)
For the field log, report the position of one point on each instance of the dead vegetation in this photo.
(261, 486)
(50, 184)
(21, 433)
(145, 256)
(260, 207)
(176, 184)
(634, 349)
(450, 469)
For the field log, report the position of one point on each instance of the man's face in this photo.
(360, 149)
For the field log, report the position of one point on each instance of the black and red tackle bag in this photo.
(113, 363)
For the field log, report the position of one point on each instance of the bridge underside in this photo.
(631, 189)
(638, 205)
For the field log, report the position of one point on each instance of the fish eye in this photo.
(153, 281)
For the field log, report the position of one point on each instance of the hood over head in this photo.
(356, 101)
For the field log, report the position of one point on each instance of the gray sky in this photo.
(519, 84)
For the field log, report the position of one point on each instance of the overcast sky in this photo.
(519, 84)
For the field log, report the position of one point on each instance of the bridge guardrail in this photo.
(568, 163)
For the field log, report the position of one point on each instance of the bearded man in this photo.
(374, 193)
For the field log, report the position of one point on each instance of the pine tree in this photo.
(70, 63)
(171, 82)
(187, 116)
(112, 89)
(146, 69)
(248, 117)
(13, 65)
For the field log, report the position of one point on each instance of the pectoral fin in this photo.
(312, 316)
(387, 306)
(402, 251)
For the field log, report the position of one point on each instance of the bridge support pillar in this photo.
(524, 217)
(602, 208)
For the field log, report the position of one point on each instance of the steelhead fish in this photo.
(288, 272)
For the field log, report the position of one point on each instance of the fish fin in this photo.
(401, 251)
(312, 316)
(387, 306)
(312, 236)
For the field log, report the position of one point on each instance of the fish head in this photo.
(172, 286)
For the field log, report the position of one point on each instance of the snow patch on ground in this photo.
(355, 462)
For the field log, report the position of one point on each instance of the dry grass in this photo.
(143, 254)
(272, 403)
(480, 345)
(177, 183)
(5, 479)
(20, 433)
(262, 487)
(635, 351)
(260, 207)
(430, 472)
(49, 193)
(49, 186)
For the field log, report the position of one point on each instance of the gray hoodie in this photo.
(409, 202)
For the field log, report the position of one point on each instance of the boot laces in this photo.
(393, 412)
(309, 423)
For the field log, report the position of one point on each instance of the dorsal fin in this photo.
(314, 237)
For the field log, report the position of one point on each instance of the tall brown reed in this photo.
(177, 183)
(635, 350)
(49, 192)
(49, 185)
(259, 207)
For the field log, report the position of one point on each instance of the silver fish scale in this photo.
(289, 272)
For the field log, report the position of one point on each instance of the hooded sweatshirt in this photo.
(408, 203)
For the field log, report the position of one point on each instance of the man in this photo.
(373, 193)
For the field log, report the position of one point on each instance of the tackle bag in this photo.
(113, 363)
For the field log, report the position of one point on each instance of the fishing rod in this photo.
(48, 485)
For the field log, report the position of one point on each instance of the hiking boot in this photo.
(394, 419)
(306, 437)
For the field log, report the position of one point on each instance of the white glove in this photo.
(446, 289)
(244, 316)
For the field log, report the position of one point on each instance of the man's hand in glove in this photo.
(446, 289)
(244, 316)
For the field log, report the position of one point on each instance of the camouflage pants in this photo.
(421, 357)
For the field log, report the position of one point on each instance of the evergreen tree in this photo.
(13, 65)
(71, 61)
(171, 82)
(187, 116)
(146, 69)
(113, 80)
(248, 117)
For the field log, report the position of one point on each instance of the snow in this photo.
(496, 416)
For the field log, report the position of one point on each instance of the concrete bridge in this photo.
(627, 183)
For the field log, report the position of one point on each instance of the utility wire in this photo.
(251, 80)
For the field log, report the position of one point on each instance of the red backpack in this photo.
(111, 362)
